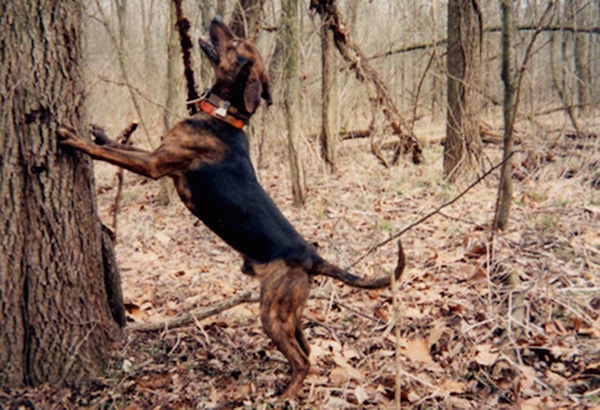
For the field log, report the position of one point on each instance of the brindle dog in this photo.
(208, 159)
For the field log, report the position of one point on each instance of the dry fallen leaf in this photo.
(361, 394)
(339, 375)
(528, 379)
(436, 333)
(418, 350)
(484, 355)
(350, 371)
(452, 386)
(534, 403)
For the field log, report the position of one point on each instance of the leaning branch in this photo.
(432, 213)
(378, 93)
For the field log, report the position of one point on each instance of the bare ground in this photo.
(511, 322)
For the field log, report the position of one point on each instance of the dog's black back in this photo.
(229, 199)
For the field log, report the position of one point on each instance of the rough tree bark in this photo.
(175, 87)
(54, 311)
(327, 138)
(289, 27)
(463, 147)
(378, 94)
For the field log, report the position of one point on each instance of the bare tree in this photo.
(118, 41)
(208, 10)
(55, 262)
(463, 147)
(147, 13)
(175, 95)
(505, 191)
(327, 138)
(582, 72)
(245, 20)
(289, 27)
(512, 92)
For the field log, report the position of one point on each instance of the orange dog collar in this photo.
(219, 109)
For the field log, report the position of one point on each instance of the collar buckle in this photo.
(221, 111)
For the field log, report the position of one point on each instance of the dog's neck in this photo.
(221, 109)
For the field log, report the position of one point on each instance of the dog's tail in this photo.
(325, 268)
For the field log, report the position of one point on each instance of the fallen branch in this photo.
(346, 135)
(215, 309)
(203, 313)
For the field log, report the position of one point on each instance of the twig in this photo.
(418, 92)
(356, 311)
(457, 219)
(434, 212)
(123, 138)
(139, 92)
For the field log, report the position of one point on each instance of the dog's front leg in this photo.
(155, 165)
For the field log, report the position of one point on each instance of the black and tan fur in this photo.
(208, 160)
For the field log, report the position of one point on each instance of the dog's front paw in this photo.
(67, 136)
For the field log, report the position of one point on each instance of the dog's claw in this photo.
(65, 133)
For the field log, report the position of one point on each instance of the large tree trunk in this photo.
(327, 138)
(175, 90)
(463, 147)
(54, 311)
(292, 99)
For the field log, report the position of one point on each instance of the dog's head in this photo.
(239, 69)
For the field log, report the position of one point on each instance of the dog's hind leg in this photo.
(282, 300)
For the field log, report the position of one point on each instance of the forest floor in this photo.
(508, 322)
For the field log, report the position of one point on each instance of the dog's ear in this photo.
(252, 93)
(257, 86)
(266, 88)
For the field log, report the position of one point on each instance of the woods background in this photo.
(479, 320)
(133, 65)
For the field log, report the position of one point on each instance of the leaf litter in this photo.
(508, 323)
